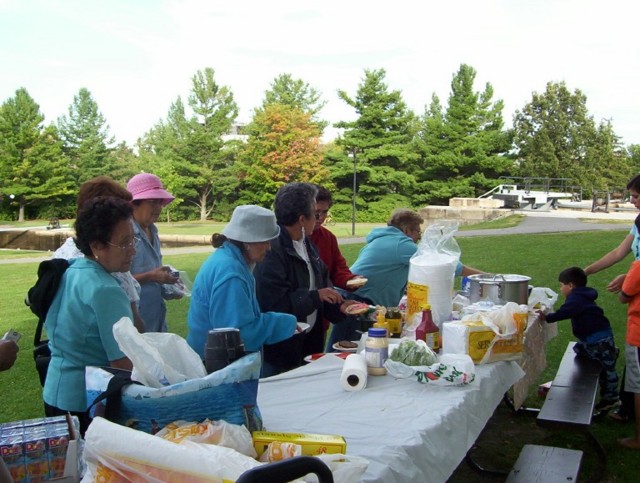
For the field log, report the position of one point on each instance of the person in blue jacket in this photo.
(224, 291)
(592, 329)
(384, 260)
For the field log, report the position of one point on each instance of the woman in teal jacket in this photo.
(224, 293)
(87, 304)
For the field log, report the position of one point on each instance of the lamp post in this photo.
(353, 199)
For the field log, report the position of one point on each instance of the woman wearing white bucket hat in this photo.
(224, 294)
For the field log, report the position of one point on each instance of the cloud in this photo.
(138, 57)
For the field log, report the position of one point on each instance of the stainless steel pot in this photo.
(499, 288)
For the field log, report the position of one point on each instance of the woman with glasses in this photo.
(149, 197)
(89, 301)
(105, 186)
(294, 280)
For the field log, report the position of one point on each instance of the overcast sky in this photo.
(137, 56)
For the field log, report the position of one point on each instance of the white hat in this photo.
(251, 223)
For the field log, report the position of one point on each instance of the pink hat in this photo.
(146, 186)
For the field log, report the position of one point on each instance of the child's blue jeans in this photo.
(606, 353)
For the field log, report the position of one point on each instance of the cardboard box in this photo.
(312, 444)
(41, 449)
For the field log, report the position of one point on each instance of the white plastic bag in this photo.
(450, 370)
(116, 453)
(542, 298)
(345, 468)
(488, 336)
(159, 358)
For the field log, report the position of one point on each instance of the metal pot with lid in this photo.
(499, 288)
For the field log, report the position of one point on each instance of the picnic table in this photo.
(407, 430)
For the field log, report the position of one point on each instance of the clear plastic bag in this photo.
(182, 288)
(432, 271)
(219, 433)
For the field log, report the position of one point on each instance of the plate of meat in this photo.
(345, 346)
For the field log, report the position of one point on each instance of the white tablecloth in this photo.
(408, 431)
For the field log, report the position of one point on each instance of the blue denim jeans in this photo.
(606, 353)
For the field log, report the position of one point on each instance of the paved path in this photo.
(543, 222)
(550, 224)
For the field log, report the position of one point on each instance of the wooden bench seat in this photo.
(569, 405)
(570, 401)
(546, 464)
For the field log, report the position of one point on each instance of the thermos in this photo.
(222, 348)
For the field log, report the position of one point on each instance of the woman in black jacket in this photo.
(293, 279)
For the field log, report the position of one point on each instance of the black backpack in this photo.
(39, 300)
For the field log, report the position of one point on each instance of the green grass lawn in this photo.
(502, 222)
(539, 256)
(12, 254)
(204, 228)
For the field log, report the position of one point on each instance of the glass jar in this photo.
(376, 351)
(394, 321)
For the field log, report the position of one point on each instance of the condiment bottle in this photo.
(428, 331)
(381, 322)
(376, 351)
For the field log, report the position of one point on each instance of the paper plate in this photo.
(315, 357)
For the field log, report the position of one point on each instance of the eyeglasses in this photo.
(320, 213)
(126, 246)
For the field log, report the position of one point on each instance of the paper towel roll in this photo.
(354, 373)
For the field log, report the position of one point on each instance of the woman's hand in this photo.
(158, 275)
(616, 284)
(8, 354)
(163, 275)
(330, 295)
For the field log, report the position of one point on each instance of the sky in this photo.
(137, 56)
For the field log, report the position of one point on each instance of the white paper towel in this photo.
(354, 373)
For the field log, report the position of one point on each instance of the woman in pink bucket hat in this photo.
(149, 197)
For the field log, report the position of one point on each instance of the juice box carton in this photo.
(57, 445)
(12, 451)
(35, 453)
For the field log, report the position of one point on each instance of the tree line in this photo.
(460, 148)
